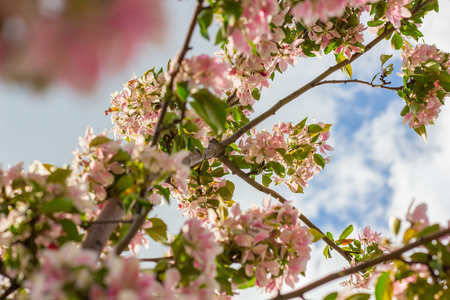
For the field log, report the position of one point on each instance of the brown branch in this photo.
(381, 86)
(136, 224)
(99, 233)
(363, 266)
(13, 286)
(237, 171)
(176, 68)
(156, 259)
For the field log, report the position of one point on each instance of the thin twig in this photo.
(156, 259)
(237, 171)
(138, 220)
(176, 68)
(363, 266)
(14, 286)
(381, 86)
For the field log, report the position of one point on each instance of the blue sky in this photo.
(377, 168)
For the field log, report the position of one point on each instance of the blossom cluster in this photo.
(107, 165)
(135, 109)
(290, 151)
(74, 272)
(40, 208)
(309, 11)
(270, 243)
(426, 75)
(409, 276)
(70, 41)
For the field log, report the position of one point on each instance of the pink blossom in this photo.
(72, 43)
(418, 217)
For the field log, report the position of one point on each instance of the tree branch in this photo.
(13, 286)
(176, 68)
(362, 266)
(236, 171)
(136, 224)
(99, 232)
(381, 86)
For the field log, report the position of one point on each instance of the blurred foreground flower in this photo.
(71, 41)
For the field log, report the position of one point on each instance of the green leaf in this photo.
(347, 231)
(277, 168)
(375, 23)
(256, 94)
(204, 20)
(210, 109)
(330, 235)
(383, 287)
(58, 204)
(121, 156)
(165, 192)
(404, 111)
(396, 41)
(158, 231)
(301, 124)
(384, 58)
(347, 70)
(433, 66)
(331, 296)
(70, 229)
(286, 156)
(314, 128)
(318, 159)
(359, 296)
(59, 176)
(218, 172)
(225, 193)
(182, 90)
(249, 284)
(443, 77)
(422, 131)
(266, 180)
(124, 182)
(327, 252)
(233, 10)
(427, 230)
(317, 235)
(98, 140)
(445, 86)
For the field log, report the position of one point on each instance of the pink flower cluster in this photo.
(252, 25)
(98, 165)
(28, 194)
(201, 245)
(204, 71)
(135, 110)
(194, 203)
(430, 106)
(396, 11)
(266, 147)
(71, 271)
(309, 11)
(272, 244)
(71, 41)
